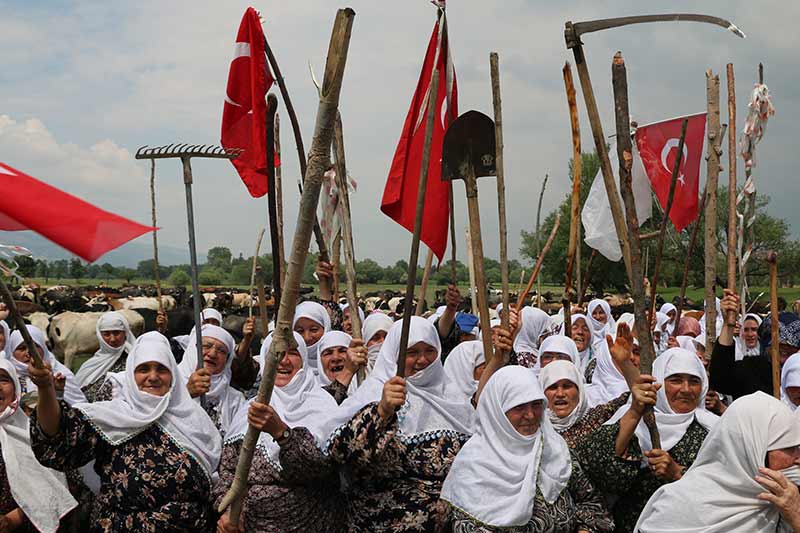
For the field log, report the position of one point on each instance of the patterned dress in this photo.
(589, 372)
(7, 503)
(625, 477)
(300, 494)
(393, 483)
(101, 390)
(578, 508)
(148, 482)
(591, 420)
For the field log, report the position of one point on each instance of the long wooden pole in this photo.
(587, 277)
(279, 198)
(539, 261)
(471, 270)
(619, 79)
(539, 237)
(574, 221)
(732, 218)
(318, 164)
(414, 255)
(494, 61)
(253, 271)
(14, 313)
(156, 272)
(453, 239)
(774, 349)
(426, 276)
(272, 207)
(712, 175)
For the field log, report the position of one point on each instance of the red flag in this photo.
(658, 144)
(81, 228)
(244, 114)
(400, 195)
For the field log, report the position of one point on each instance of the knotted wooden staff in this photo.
(775, 345)
(712, 178)
(501, 186)
(318, 164)
(574, 221)
(731, 317)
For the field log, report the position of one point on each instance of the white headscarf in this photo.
(687, 343)
(331, 339)
(585, 356)
(40, 492)
(460, 384)
(106, 357)
(208, 313)
(221, 393)
(662, 325)
(317, 313)
(345, 307)
(6, 334)
(718, 493)
(720, 320)
(436, 314)
(555, 372)
(599, 329)
(426, 409)
(790, 377)
(496, 473)
(299, 403)
(671, 425)
(742, 350)
(666, 309)
(534, 323)
(556, 344)
(132, 411)
(374, 323)
(607, 381)
(72, 391)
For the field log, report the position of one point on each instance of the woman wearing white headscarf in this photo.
(555, 348)
(608, 382)
(292, 486)
(339, 360)
(515, 473)
(749, 458)
(16, 352)
(32, 497)
(534, 323)
(661, 332)
(154, 448)
(600, 320)
(746, 342)
(209, 315)
(222, 400)
(581, 335)
(311, 321)
(116, 341)
(347, 323)
(567, 406)
(374, 330)
(462, 371)
(790, 382)
(398, 459)
(621, 455)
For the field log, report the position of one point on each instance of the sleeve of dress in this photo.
(363, 440)
(601, 463)
(73, 446)
(337, 390)
(590, 509)
(301, 459)
(244, 372)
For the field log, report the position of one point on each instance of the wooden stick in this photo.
(279, 199)
(253, 271)
(414, 256)
(336, 251)
(471, 270)
(262, 300)
(318, 164)
(14, 313)
(538, 240)
(501, 184)
(676, 168)
(574, 221)
(774, 349)
(453, 269)
(619, 79)
(587, 277)
(156, 273)
(272, 208)
(712, 175)
(731, 317)
(539, 261)
(426, 275)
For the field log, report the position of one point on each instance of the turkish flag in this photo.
(244, 114)
(81, 228)
(400, 195)
(658, 145)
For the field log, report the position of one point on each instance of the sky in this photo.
(84, 84)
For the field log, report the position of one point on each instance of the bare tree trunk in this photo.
(732, 218)
(712, 176)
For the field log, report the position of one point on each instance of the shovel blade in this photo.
(469, 146)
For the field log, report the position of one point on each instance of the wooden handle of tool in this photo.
(631, 374)
(20, 323)
(539, 261)
(775, 346)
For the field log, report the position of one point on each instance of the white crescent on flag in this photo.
(239, 50)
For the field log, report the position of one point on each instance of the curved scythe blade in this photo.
(590, 26)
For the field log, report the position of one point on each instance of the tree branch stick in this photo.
(501, 184)
(712, 176)
(732, 218)
(574, 221)
(156, 272)
(539, 261)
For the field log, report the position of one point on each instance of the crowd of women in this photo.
(543, 435)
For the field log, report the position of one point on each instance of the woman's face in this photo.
(347, 323)
(377, 338)
(419, 357)
(562, 397)
(683, 392)
(581, 334)
(153, 378)
(750, 333)
(215, 355)
(794, 394)
(290, 365)
(310, 331)
(212, 321)
(549, 357)
(526, 417)
(7, 392)
(20, 353)
(672, 314)
(783, 458)
(599, 314)
(114, 338)
(333, 360)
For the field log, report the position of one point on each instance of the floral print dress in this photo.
(102, 389)
(392, 481)
(148, 483)
(592, 420)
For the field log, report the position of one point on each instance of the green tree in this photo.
(179, 278)
(368, 271)
(211, 276)
(59, 269)
(126, 273)
(219, 257)
(77, 269)
(27, 266)
(108, 270)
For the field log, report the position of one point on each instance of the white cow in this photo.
(40, 320)
(72, 334)
(143, 302)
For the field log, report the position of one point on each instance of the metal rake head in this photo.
(187, 150)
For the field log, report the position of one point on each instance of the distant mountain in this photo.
(127, 255)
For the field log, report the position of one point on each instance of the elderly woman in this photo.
(32, 497)
(462, 370)
(311, 321)
(744, 478)
(213, 380)
(600, 320)
(526, 345)
(292, 486)
(374, 330)
(16, 352)
(581, 335)
(556, 348)
(515, 473)
(567, 406)
(347, 322)
(340, 357)
(154, 448)
(398, 437)
(116, 341)
(621, 456)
